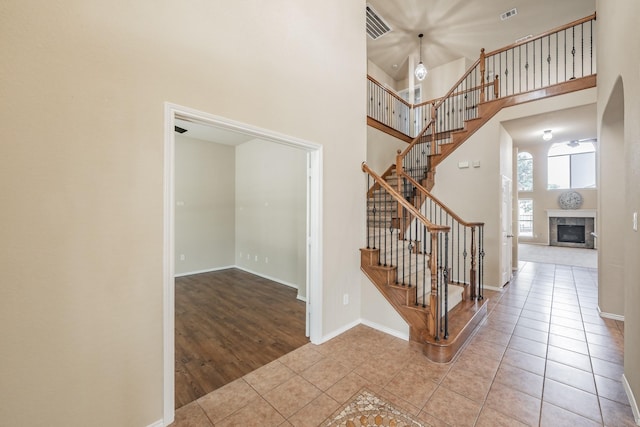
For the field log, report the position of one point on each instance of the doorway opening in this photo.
(312, 247)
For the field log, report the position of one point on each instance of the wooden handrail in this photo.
(376, 185)
(591, 17)
(412, 209)
(438, 104)
(439, 203)
(393, 94)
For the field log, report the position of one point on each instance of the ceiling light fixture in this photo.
(421, 70)
(546, 135)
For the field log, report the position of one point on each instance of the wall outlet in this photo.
(345, 299)
(256, 258)
(635, 221)
(182, 257)
(266, 260)
(248, 256)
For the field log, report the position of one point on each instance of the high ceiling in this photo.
(455, 29)
(567, 125)
(460, 28)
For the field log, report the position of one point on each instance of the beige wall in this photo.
(378, 73)
(381, 153)
(440, 79)
(83, 87)
(619, 132)
(205, 205)
(475, 193)
(271, 212)
(544, 199)
(382, 149)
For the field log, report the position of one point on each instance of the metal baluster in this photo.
(557, 77)
(526, 66)
(464, 256)
(549, 60)
(582, 49)
(424, 269)
(417, 281)
(519, 69)
(383, 226)
(409, 249)
(591, 46)
(458, 260)
(481, 281)
(367, 207)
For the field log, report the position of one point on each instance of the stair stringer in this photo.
(420, 319)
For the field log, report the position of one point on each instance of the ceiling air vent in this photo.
(179, 129)
(509, 14)
(376, 26)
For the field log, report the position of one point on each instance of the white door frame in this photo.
(314, 233)
(506, 231)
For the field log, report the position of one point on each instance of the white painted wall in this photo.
(440, 79)
(205, 205)
(382, 149)
(271, 212)
(378, 73)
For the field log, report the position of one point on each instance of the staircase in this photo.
(425, 259)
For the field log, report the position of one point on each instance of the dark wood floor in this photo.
(229, 323)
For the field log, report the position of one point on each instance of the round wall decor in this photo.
(570, 200)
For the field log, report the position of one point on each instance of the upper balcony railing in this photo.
(552, 58)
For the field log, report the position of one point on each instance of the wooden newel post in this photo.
(482, 71)
(496, 87)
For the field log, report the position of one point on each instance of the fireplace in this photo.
(572, 228)
(571, 233)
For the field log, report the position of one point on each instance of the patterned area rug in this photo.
(367, 409)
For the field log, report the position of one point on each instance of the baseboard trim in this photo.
(208, 270)
(264, 276)
(159, 423)
(632, 400)
(610, 315)
(338, 331)
(494, 288)
(386, 330)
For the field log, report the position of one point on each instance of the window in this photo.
(525, 217)
(572, 165)
(525, 171)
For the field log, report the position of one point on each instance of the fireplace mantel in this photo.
(571, 213)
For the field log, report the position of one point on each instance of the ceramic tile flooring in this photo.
(542, 358)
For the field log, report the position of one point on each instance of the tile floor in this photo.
(542, 358)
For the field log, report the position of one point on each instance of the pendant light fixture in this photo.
(421, 70)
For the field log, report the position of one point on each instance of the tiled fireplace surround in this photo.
(584, 217)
